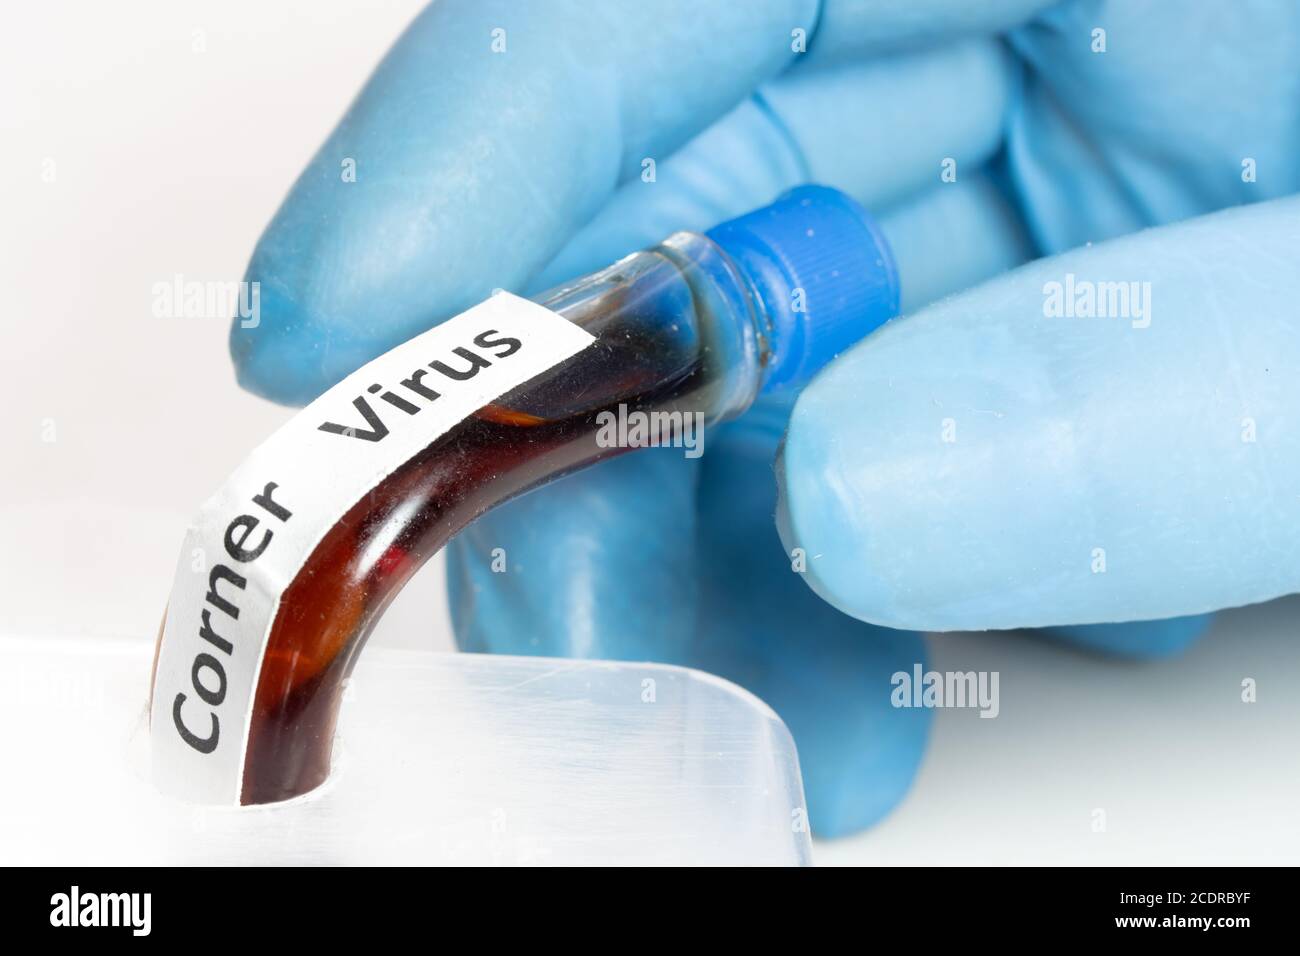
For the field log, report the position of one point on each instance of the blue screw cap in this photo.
(823, 271)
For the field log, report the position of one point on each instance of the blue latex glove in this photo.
(478, 169)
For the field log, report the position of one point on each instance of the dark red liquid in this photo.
(541, 430)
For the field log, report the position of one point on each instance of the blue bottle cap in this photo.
(823, 271)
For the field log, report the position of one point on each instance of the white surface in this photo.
(440, 758)
(166, 161)
(1185, 772)
(172, 161)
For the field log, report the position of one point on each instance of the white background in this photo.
(170, 161)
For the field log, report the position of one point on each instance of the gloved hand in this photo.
(514, 145)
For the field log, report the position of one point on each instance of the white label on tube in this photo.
(250, 539)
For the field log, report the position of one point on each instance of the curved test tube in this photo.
(656, 350)
(669, 338)
(674, 338)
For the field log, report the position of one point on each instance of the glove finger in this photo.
(973, 224)
(1209, 118)
(827, 675)
(852, 30)
(991, 463)
(993, 242)
(489, 133)
(879, 131)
